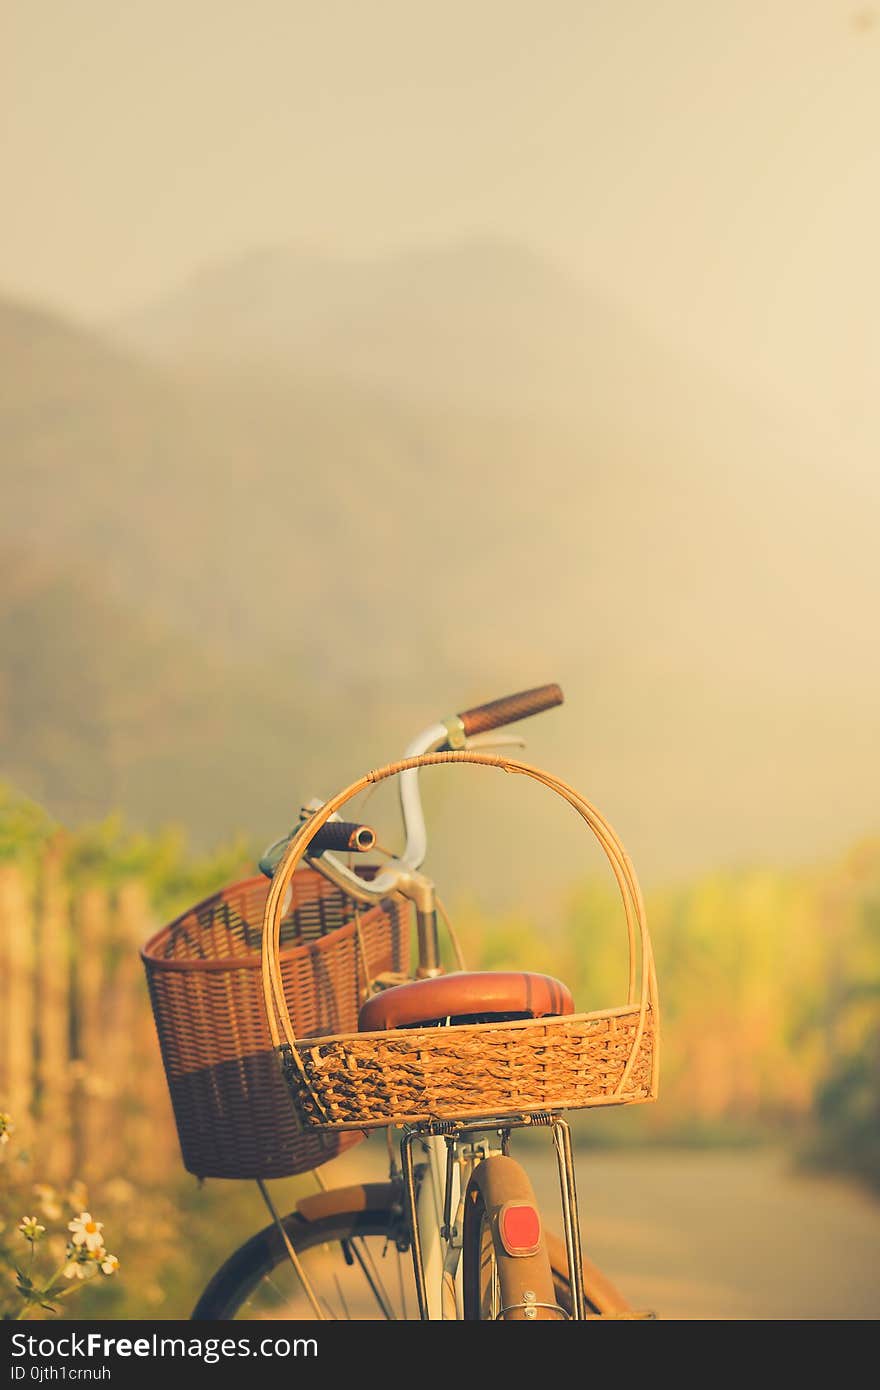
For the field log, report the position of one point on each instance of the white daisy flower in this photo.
(82, 1263)
(109, 1264)
(6, 1127)
(31, 1229)
(86, 1231)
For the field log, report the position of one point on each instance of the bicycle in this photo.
(457, 1213)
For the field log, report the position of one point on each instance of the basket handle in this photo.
(645, 992)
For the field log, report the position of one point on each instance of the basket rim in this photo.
(618, 1011)
(251, 961)
(385, 1120)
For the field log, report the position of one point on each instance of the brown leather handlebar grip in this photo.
(509, 709)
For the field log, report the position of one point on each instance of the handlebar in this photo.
(509, 709)
(473, 728)
(341, 835)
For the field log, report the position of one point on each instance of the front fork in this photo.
(432, 1189)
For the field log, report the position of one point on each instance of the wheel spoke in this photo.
(401, 1285)
(362, 1254)
(342, 1298)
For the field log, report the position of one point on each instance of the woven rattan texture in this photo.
(233, 1111)
(452, 1073)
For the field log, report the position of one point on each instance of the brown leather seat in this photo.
(465, 995)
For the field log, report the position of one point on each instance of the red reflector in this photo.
(520, 1228)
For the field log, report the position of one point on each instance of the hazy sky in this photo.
(714, 165)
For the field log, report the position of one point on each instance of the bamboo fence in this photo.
(80, 1071)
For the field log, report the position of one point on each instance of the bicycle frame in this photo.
(431, 1202)
(435, 1192)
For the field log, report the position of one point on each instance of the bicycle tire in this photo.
(232, 1287)
(235, 1283)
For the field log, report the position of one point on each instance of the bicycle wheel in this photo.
(328, 1234)
(502, 1279)
(351, 1247)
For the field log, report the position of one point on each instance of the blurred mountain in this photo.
(103, 708)
(353, 497)
(482, 323)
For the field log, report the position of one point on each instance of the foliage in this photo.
(770, 992)
(847, 1102)
(770, 995)
(25, 828)
(169, 1238)
(108, 853)
(42, 1263)
(770, 979)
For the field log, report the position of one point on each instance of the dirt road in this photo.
(725, 1235)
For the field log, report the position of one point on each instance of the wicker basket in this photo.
(233, 1111)
(356, 1080)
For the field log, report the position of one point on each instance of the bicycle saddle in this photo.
(465, 997)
